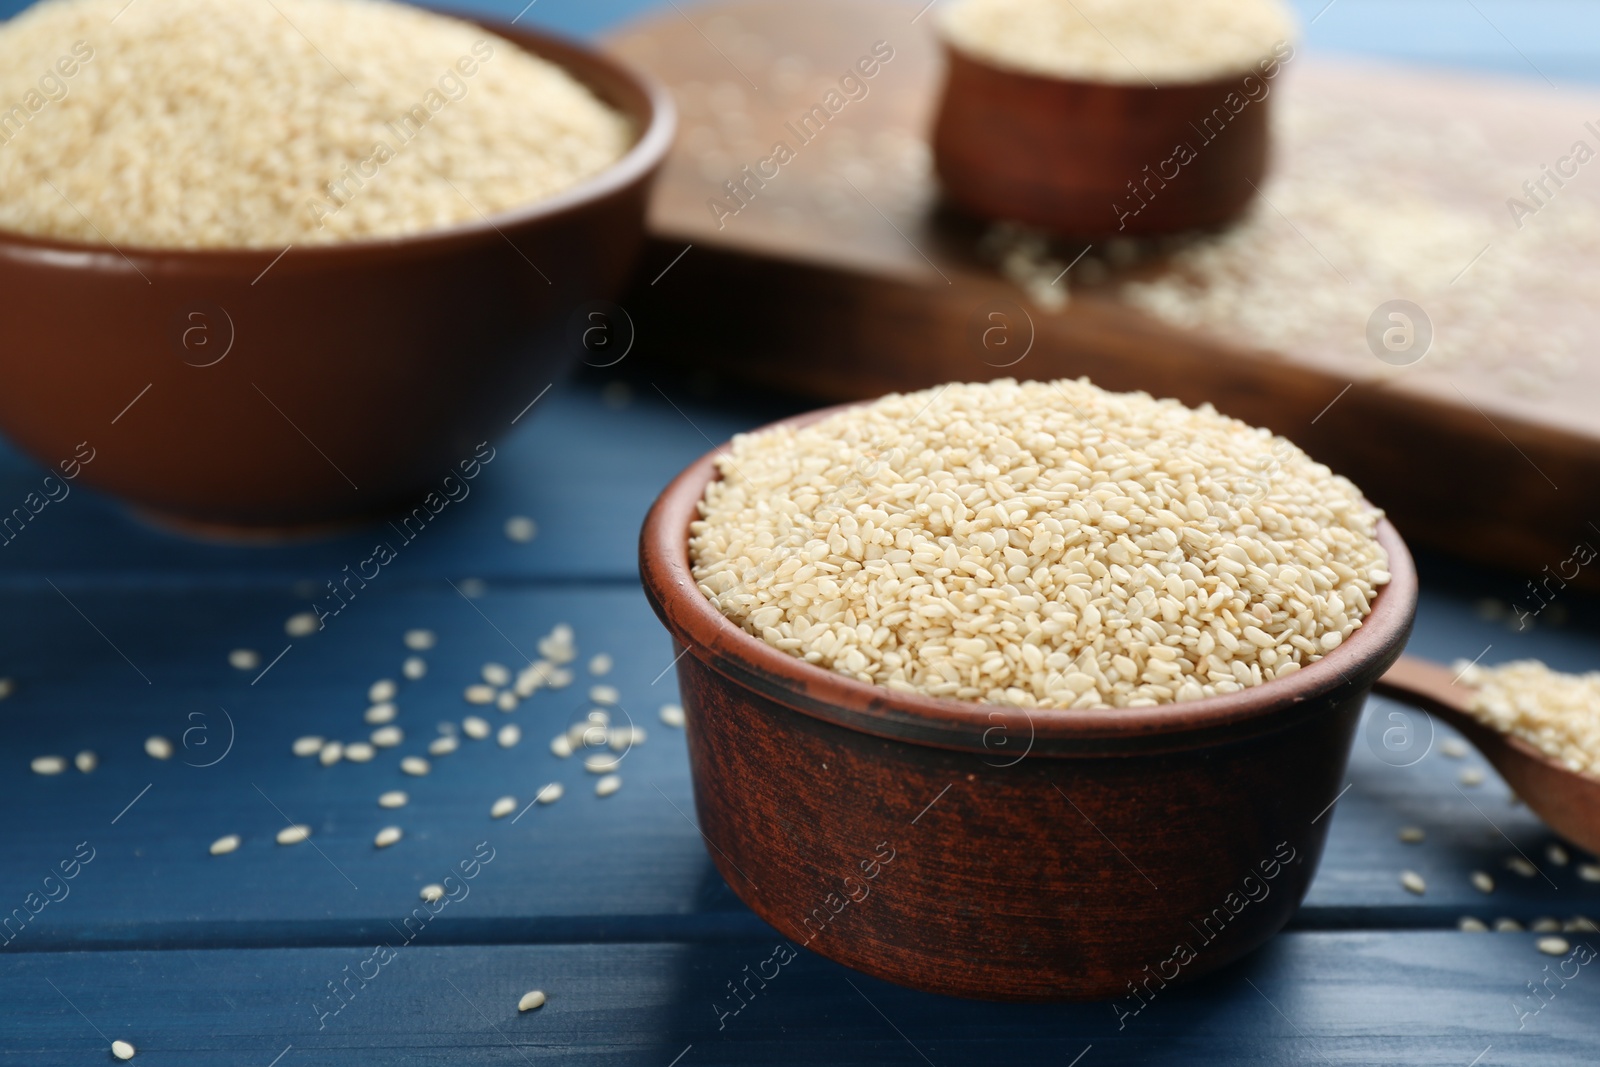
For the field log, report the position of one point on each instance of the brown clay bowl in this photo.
(335, 382)
(1095, 159)
(998, 853)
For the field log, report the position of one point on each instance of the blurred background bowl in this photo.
(1036, 854)
(244, 390)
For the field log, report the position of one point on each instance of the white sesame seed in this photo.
(394, 798)
(604, 694)
(387, 736)
(1413, 883)
(303, 624)
(7, 687)
(479, 694)
(1557, 854)
(1453, 747)
(158, 747)
(601, 763)
(443, 746)
(359, 752)
(550, 793)
(382, 691)
(1482, 882)
(1468, 925)
(496, 674)
(1580, 925)
(1521, 866)
(509, 735)
(503, 807)
(608, 785)
(1507, 926)
(387, 836)
(415, 766)
(558, 678)
(1553, 946)
(49, 765)
(475, 728)
(224, 845)
(531, 1000)
(1545, 925)
(86, 761)
(506, 701)
(600, 665)
(244, 659)
(1589, 872)
(122, 1050)
(473, 588)
(431, 893)
(521, 529)
(1412, 835)
(308, 745)
(672, 715)
(293, 835)
(414, 667)
(561, 746)
(1552, 711)
(622, 738)
(1472, 776)
(420, 640)
(331, 753)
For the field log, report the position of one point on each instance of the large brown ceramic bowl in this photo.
(1095, 159)
(993, 852)
(280, 388)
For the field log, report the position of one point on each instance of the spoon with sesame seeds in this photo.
(1566, 799)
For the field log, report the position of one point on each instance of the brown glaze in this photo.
(1038, 855)
(1093, 159)
(359, 374)
(1568, 801)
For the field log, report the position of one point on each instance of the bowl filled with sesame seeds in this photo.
(288, 264)
(1085, 665)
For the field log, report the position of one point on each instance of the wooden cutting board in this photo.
(841, 276)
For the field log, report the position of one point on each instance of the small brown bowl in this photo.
(228, 389)
(993, 852)
(1088, 159)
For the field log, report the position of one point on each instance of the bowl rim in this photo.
(578, 59)
(724, 647)
(954, 51)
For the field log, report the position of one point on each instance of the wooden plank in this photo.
(843, 277)
(1439, 998)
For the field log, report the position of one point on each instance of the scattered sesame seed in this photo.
(503, 807)
(473, 588)
(558, 678)
(561, 746)
(387, 736)
(443, 746)
(1468, 925)
(359, 752)
(158, 747)
(293, 835)
(1521, 866)
(1580, 925)
(531, 1000)
(86, 761)
(601, 763)
(1545, 925)
(604, 694)
(431, 893)
(521, 529)
(382, 691)
(600, 665)
(415, 766)
(7, 687)
(550, 793)
(622, 738)
(496, 674)
(224, 845)
(394, 798)
(506, 701)
(1472, 776)
(1553, 946)
(122, 1050)
(1413, 883)
(1589, 872)
(1453, 747)
(414, 667)
(420, 640)
(1482, 882)
(672, 715)
(309, 745)
(475, 728)
(1557, 854)
(331, 753)
(304, 624)
(244, 659)
(1412, 835)
(557, 646)
(387, 836)
(479, 694)
(49, 765)
(379, 714)
(509, 735)
(1507, 926)
(608, 785)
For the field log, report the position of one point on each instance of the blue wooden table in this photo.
(316, 953)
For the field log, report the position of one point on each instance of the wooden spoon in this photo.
(1568, 801)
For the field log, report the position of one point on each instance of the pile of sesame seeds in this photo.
(1044, 544)
(1557, 713)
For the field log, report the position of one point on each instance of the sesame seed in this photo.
(7, 687)
(473, 588)
(1552, 711)
(1412, 835)
(387, 836)
(379, 714)
(309, 745)
(1413, 883)
(420, 640)
(122, 1050)
(443, 746)
(1482, 882)
(561, 746)
(158, 747)
(479, 694)
(608, 785)
(414, 667)
(387, 736)
(1557, 854)
(550, 793)
(394, 798)
(431, 893)
(601, 763)
(1507, 926)
(521, 529)
(224, 845)
(672, 715)
(359, 752)
(244, 659)
(496, 674)
(622, 738)
(1521, 866)
(303, 624)
(509, 735)
(475, 728)
(600, 665)
(1553, 946)
(1589, 872)
(48, 765)
(86, 761)
(531, 1000)
(604, 694)
(331, 753)
(503, 807)
(415, 766)
(1468, 925)
(506, 701)
(1472, 776)
(293, 835)
(382, 691)
(1453, 747)
(1580, 925)
(1545, 925)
